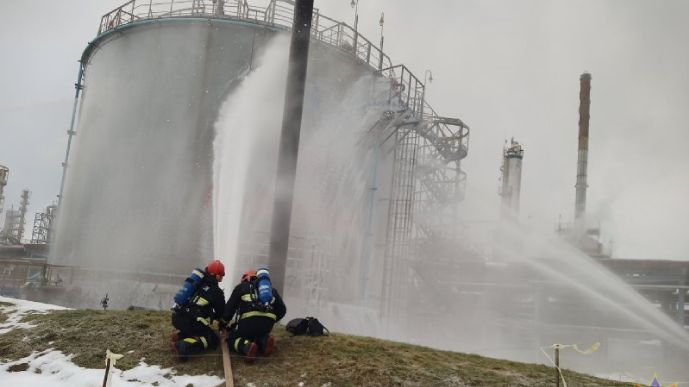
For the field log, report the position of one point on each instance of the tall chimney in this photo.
(583, 154)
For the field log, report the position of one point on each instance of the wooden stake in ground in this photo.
(110, 359)
(227, 366)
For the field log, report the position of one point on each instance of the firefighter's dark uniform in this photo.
(254, 321)
(194, 319)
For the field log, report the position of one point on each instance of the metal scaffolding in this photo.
(13, 231)
(42, 225)
(427, 184)
(400, 217)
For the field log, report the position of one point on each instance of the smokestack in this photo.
(583, 150)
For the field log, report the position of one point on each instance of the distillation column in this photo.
(4, 173)
(23, 207)
(511, 177)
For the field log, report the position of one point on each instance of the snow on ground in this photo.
(19, 309)
(53, 368)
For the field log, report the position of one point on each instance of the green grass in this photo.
(3, 316)
(341, 360)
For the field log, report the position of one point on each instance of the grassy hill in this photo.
(337, 360)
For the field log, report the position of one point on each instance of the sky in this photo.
(506, 68)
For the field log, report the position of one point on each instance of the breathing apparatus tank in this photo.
(189, 287)
(264, 287)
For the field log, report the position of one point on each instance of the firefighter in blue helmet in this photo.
(204, 303)
(255, 306)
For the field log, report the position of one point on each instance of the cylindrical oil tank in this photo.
(138, 194)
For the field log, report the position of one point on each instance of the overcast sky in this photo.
(507, 68)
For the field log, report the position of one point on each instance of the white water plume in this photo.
(515, 289)
(250, 117)
(501, 290)
(505, 293)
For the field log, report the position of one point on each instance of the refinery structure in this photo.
(162, 139)
(412, 177)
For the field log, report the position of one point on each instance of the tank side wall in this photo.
(138, 195)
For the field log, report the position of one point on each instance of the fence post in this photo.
(557, 366)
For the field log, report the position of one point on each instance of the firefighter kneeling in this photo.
(197, 304)
(257, 306)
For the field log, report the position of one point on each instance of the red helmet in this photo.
(216, 268)
(248, 275)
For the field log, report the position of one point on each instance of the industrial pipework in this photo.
(582, 160)
(4, 173)
(23, 207)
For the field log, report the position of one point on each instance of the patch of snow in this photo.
(55, 369)
(152, 374)
(19, 309)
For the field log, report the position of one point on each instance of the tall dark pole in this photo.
(355, 5)
(381, 22)
(289, 141)
(583, 148)
(78, 86)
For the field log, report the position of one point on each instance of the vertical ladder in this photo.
(399, 226)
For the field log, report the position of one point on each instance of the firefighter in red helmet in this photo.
(257, 306)
(249, 275)
(196, 309)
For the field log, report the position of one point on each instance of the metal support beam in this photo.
(289, 141)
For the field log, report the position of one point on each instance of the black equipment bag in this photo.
(297, 326)
(307, 326)
(316, 328)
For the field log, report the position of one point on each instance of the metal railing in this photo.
(409, 92)
(405, 87)
(278, 13)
